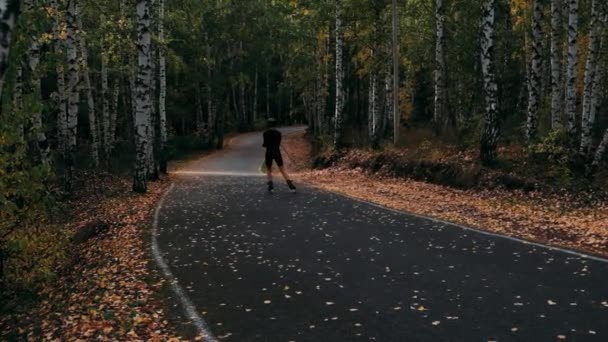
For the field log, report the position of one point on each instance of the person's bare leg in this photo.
(289, 182)
(284, 173)
(269, 175)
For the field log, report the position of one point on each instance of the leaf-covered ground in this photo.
(560, 220)
(107, 289)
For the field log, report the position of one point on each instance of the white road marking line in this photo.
(187, 304)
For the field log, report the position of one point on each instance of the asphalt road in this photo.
(315, 266)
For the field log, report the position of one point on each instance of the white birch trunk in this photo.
(41, 138)
(153, 172)
(490, 131)
(440, 66)
(371, 108)
(33, 62)
(9, 10)
(143, 96)
(601, 151)
(534, 82)
(591, 71)
(572, 64)
(61, 97)
(73, 91)
(162, 95)
(556, 64)
(62, 114)
(338, 116)
(388, 104)
(395, 48)
(598, 89)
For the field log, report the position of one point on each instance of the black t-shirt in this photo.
(272, 141)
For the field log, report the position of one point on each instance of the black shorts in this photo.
(276, 156)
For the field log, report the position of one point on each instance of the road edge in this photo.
(185, 301)
(467, 228)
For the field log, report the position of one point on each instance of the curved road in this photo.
(316, 266)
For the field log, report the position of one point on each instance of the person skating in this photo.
(272, 143)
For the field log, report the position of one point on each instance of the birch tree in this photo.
(596, 35)
(73, 91)
(396, 112)
(601, 151)
(490, 131)
(534, 82)
(572, 62)
(9, 11)
(143, 96)
(338, 117)
(440, 66)
(162, 96)
(41, 139)
(556, 64)
(60, 98)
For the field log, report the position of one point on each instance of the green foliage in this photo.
(30, 244)
(553, 160)
(181, 146)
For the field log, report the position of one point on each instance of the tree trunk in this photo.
(268, 114)
(143, 97)
(61, 99)
(245, 121)
(153, 169)
(8, 20)
(596, 100)
(62, 114)
(440, 67)
(73, 91)
(18, 103)
(490, 131)
(114, 113)
(162, 96)
(371, 107)
(591, 70)
(41, 138)
(556, 64)
(254, 108)
(198, 103)
(601, 150)
(211, 117)
(396, 112)
(338, 116)
(388, 103)
(534, 82)
(105, 110)
(88, 87)
(570, 105)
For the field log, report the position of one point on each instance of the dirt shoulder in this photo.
(561, 221)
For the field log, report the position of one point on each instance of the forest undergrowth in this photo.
(104, 288)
